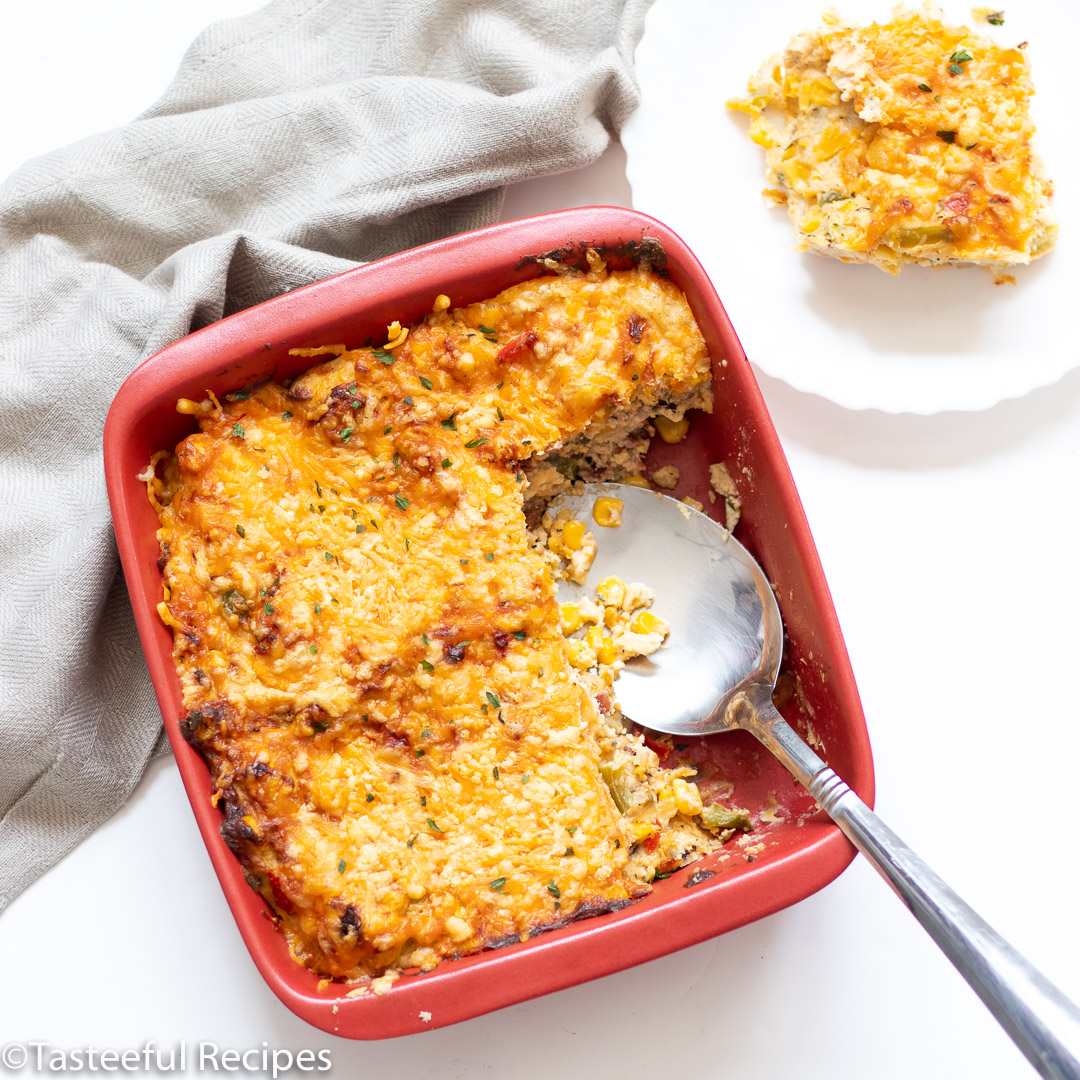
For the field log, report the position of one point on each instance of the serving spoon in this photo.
(717, 672)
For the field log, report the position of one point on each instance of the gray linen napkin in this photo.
(292, 143)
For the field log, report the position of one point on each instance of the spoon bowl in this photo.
(726, 632)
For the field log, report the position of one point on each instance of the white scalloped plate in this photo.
(927, 341)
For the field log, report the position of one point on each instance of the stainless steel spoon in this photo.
(717, 673)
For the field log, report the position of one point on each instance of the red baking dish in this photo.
(794, 849)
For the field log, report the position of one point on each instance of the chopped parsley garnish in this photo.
(240, 530)
(425, 382)
(947, 136)
(322, 508)
(328, 557)
(498, 883)
(313, 650)
(318, 725)
(286, 416)
(423, 800)
(431, 823)
(412, 840)
(495, 772)
(386, 430)
(406, 543)
(449, 424)
(401, 502)
(498, 386)
(498, 413)
(490, 556)
(568, 852)
(318, 610)
(267, 608)
(463, 562)
(924, 88)
(519, 634)
(971, 146)
(426, 733)
(424, 639)
(446, 463)
(952, 69)
(525, 777)
(554, 889)
(409, 401)
(238, 431)
(397, 460)
(419, 753)
(473, 443)
(370, 798)
(361, 529)
(346, 434)
(383, 356)
(572, 830)
(341, 866)
(996, 18)
(318, 490)
(427, 665)
(493, 701)
(961, 56)
(485, 329)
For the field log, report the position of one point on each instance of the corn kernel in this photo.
(607, 653)
(647, 623)
(818, 91)
(190, 408)
(811, 223)
(570, 618)
(612, 590)
(611, 616)
(415, 892)
(442, 302)
(687, 797)
(672, 431)
(762, 132)
(608, 512)
(832, 141)
(395, 335)
(642, 829)
(797, 172)
(637, 481)
(166, 616)
(594, 637)
(580, 655)
(573, 534)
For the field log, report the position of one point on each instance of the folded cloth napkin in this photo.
(292, 144)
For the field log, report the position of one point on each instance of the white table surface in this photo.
(950, 546)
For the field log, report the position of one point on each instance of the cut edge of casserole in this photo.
(412, 759)
(903, 142)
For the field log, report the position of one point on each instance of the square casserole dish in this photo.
(793, 850)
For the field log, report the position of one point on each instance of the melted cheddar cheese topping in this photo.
(369, 649)
(907, 141)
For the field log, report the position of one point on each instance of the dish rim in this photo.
(469, 986)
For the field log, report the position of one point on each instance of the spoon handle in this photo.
(1043, 1023)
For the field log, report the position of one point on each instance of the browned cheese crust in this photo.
(370, 652)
